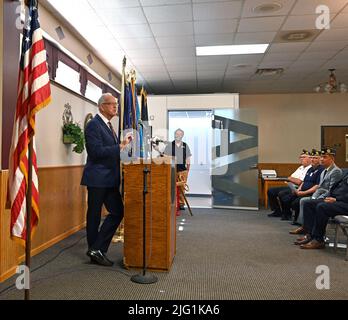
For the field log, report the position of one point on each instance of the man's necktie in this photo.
(112, 130)
(325, 172)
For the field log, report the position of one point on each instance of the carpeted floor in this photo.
(221, 254)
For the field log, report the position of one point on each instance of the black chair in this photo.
(342, 223)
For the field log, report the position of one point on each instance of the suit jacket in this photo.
(339, 190)
(102, 169)
(333, 175)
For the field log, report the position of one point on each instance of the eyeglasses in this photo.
(113, 103)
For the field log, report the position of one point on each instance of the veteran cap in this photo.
(315, 153)
(305, 152)
(328, 151)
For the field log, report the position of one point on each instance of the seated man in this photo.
(296, 178)
(307, 188)
(318, 212)
(329, 176)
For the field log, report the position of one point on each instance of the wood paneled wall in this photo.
(63, 204)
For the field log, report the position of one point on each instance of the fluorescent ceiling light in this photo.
(231, 49)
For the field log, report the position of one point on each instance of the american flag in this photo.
(34, 93)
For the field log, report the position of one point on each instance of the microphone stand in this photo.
(144, 278)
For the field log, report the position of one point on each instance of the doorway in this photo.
(198, 136)
(336, 137)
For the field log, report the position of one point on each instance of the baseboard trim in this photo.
(9, 273)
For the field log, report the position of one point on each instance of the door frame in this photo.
(328, 126)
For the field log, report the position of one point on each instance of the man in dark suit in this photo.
(101, 175)
(317, 214)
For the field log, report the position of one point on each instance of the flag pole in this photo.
(119, 236)
(28, 220)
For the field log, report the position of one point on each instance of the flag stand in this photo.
(28, 222)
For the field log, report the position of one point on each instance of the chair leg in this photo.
(336, 237)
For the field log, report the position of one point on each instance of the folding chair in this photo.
(341, 222)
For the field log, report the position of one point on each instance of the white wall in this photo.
(49, 142)
(290, 122)
(158, 107)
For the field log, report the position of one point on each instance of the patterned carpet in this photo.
(221, 254)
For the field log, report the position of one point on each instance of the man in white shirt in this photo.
(296, 179)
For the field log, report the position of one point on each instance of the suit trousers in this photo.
(324, 211)
(273, 194)
(100, 238)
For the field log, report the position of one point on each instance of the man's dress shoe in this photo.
(274, 214)
(99, 258)
(314, 244)
(303, 240)
(299, 230)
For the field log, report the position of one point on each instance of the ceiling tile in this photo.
(333, 35)
(214, 39)
(254, 37)
(113, 4)
(212, 60)
(275, 64)
(303, 22)
(176, 76)
(317, 55)
(249, 5)
(140, 62)
(289, 56)
(179, 60)
(137, 43)
(178, 52)
(181, 67)
(215, 26)
(216, 10)
(260, 24)
(212, 67)
(309, 6)
(130, 31)
(307, 64)
(341, 21)
(144, 53)
(145, 3)
(245, 59)
(172, 29)
(122, 16)
(172, 13)
(287, 47)
(318, 46)
(176, 42)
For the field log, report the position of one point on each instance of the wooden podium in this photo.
(160, 214)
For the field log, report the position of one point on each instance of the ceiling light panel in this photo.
(231, 49)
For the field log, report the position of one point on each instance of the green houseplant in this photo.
(73, 134)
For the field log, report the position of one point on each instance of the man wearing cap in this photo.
(329, 176)
(307, 188)
(318, 212)
(296, 178)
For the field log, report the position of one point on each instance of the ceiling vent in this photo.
(269, 71)
(296, 36)
(267, 8)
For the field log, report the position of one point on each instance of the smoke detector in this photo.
(267, 7)
(269, 71)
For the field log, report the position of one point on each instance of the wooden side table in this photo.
(268, 183)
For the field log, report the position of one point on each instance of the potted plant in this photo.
(73, 134)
